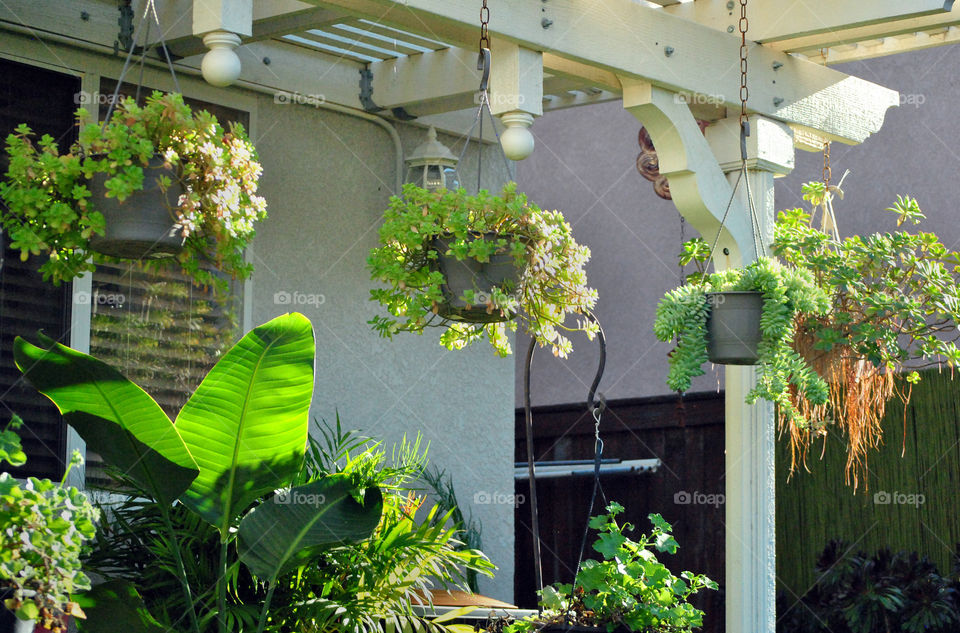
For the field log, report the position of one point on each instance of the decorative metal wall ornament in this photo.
(648, 164)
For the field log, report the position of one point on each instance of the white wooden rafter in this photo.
(597, 36)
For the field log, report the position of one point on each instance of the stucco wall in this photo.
(327, 178)
(584, 164)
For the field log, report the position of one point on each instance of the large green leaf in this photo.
(296, 524)
(246, 424)
(115, 417)
(115, 606)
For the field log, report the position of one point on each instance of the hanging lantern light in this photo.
(432, 165)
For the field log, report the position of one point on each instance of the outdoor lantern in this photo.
(432, 165)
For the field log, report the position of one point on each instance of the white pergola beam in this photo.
(270, 18)
(776, 21)
(871, 32)
(628, 39)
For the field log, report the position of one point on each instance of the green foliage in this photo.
(552, 288)
(49, 209)
(360, 586)
(46, 526)
(441, 487)
(894, 296)
(788, 293)
(628, 588)
(244, 431)
(857, 593)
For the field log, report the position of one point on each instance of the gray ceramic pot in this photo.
(142, 225)
(470, 274)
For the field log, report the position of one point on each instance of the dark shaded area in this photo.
(44, 100)
(687, 489)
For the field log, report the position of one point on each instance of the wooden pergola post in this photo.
(703, 170)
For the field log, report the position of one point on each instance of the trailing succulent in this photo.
(50, 211)
(552, 288)
(844, 320)
(629, 588)
(788, 293)
(46, 527)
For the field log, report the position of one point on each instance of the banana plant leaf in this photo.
(114, 416)
(115, 606)
(246, 424)
(300, 522)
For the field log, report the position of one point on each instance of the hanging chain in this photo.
(744, 90)
(827, 169)
(484, 29)
(683, 240)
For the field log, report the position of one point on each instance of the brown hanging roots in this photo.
(859, 392)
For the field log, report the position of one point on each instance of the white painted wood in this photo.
(631, 40)
(233, 16)
(871, 49)
(769, 146)
(699, 188)
(774, 21)
(516, 80)
(870, 32)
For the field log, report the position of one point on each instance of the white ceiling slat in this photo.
(330, 48)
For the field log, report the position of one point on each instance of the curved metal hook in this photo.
(592, 401)
(483, 63)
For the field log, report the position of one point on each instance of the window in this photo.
(44, 100)
(161, 331)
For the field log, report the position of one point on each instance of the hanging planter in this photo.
(733, 327)
(785, 295)
(471, 277)
(476, 265)
(144, 225)
(157, 180)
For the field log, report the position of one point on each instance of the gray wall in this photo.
(327, 178)
(584, 164)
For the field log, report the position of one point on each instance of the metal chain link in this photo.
(484, 31)
(827, 169)
(744, 90)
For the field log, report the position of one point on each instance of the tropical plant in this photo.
(46, 526)
(356, 586)
(551, 290)
(788, 294)
(441, 487)
(239, 438)
(629, 588)
(860, 593)
(894, 308)
(50, 211)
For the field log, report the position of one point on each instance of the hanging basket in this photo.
(733, 327)
(469, 274)
(140, 227)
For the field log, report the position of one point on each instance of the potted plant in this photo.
(628, 590)
(46, 527)
(785, 294)
(475, 265)
(894, 309)
(153, 181)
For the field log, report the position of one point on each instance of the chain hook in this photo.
(484, 34)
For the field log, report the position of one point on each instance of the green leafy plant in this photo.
(860, 593)
(894, 309)
(239, 438)
(363, 586)
(50, 211)
(788, 294)
(629, 588)
(46, 527)
(552, 288)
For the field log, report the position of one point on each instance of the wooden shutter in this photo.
(45, 100)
